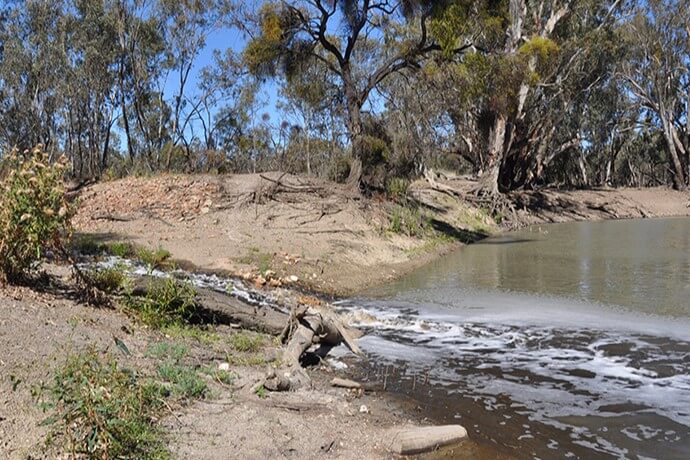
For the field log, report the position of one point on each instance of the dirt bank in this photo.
(317, 231)
(332, 241)
(40, 328)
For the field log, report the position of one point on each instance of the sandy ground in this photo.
(38, 330)
(314, 230)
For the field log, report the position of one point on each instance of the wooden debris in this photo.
(345, 383)
(308, 325)
(410, 441)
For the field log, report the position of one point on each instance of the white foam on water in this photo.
(578, 367)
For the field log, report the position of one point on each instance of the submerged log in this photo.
(410, 441)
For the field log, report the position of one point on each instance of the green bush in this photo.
(102, 411)
(120, 249)
(34, 214)
(158, 259)
(167, 302)
(109, 280)
(410, 221)
(396, 188)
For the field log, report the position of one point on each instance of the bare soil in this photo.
(317, 231)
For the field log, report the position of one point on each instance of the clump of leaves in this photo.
(185, 381)
(409, 221)
(158, 259)
(103, 411)
(109, 280)
(34, 213)
(167, 302)
(246, 342)
(120, 249)
(396, 188)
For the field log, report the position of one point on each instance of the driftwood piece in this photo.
(345, 383)
(308, 325)
(412, 441)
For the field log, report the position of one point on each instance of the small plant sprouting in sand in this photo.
(103, 411)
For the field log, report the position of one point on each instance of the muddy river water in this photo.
(560, 341)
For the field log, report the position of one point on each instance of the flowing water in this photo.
(565, 341)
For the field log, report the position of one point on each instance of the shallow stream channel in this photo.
(560, 341)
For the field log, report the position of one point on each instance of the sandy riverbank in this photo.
(317, 231)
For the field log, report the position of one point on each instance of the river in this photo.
(560, 341)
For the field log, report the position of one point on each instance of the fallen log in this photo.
(411, 441)
(345, 383)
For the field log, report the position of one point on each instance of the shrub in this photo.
(158, 259)
(410, 222)
(110, 279)
(120, 249)
(396, 188)
(102, 411)
(167, 302)
(34, 214)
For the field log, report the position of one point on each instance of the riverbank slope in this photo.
(321, 235)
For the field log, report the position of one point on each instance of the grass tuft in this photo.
(109, 280)
(246, 342)
(167, 303)
(103, 411)
(155, 260)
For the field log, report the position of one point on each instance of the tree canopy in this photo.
(516, 93)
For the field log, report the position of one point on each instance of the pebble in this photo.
(224, 367)
(363, 409)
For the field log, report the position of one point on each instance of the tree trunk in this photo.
(674, 159)
(354, 126)
(497, 135)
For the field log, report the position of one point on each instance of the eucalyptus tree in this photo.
(656, 72)
(359, 41)
(186, 27)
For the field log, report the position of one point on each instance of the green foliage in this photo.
(109, 280)
(34, 214)
(264, 51)
(410, 222)
(396, 188)
(120, 249)
(261, 392)
(102, 411)
(185, 381)
(246, 342)
(167, 302)
(167, 350)
(158, 259)
(540, 47)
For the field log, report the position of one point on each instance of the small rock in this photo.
(293, 278)
(363, 409)
(269, 274)
(224, 367)
(273, 282)
(259, 281)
